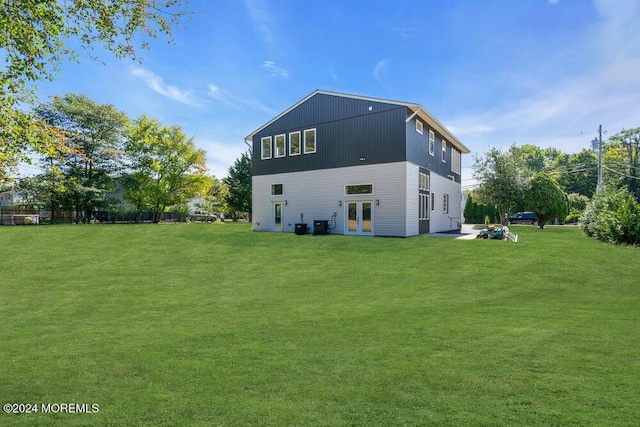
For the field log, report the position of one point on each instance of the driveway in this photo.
(466, 232)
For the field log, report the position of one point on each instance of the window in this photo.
(277, 189)
(294, 143)
(309, 141)
(433, 202)
(455, 161)
(432, 142)
(419, 127)
(266, 147)
(424, 181)
(280, 145)
(445, 203)
(444, 150)
(358, 189)
(424, 206)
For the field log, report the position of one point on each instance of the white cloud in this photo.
(237, 102)
(274, 70)
(379, 69)
(220, 156)
(567, 113)
(156, 84)
(262, 19)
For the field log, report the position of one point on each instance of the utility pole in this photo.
(600, 185)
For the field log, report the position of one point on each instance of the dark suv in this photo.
(522, 218)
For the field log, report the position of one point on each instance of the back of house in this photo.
(356, 165)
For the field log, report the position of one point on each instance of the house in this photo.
(11, 198)
(368, 166)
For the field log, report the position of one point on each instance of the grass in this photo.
(211, 324)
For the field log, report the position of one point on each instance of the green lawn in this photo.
(211, 324)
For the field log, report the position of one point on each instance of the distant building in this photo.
(11, 198)
(368, 166)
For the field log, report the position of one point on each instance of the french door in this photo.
(359, 218)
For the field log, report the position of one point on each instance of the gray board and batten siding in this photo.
(350, 131)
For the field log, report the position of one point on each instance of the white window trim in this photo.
(271, 189)
(424, 207)
(275, 146)
(299, 142)
(445, 203)
(373, 189)
(455, 160)
(444, 151)
(315, 141)
(262, 147)
(419, 127)
(432, 142)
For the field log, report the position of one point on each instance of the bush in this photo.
(612, 216)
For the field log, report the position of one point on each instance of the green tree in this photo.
(578, 172)
(34, 41)
(238, 183)
(166, 167)
(214, 196)
(612, 216)
(93, 134)
(502, 181)
(627, 145)
(48, 190)
(545, 198)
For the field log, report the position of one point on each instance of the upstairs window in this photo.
(432, 142)
(419, 127)
(280, 145)
(266, 147)
(309, 141)
(455, 161)
(444, 150)
(294, 143)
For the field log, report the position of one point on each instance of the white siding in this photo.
(316, 194)
(413, 209)
(440, 221)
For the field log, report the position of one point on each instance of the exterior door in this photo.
(359, 218)
(276, 223)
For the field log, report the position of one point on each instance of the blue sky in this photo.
(495, 72)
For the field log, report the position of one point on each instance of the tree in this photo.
(49, 189)
(166, 167)
(545, 198)
(578, 173)
(34, 38)
(502, 181)
(476, 214)
(627, 144)
(612, 216)
(93, 135)
(238, 183)
(214, 196)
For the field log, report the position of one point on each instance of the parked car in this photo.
(522, 218)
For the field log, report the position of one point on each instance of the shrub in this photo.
(612, 216)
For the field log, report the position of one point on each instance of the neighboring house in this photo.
(11, 198)
(369, 166)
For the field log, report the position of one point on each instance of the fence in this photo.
(13, 216)
(18, 216)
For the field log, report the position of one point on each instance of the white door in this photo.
(276, 217)
(359, 218)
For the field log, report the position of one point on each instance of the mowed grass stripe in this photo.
(211, 324)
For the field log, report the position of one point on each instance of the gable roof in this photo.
(417, 109)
